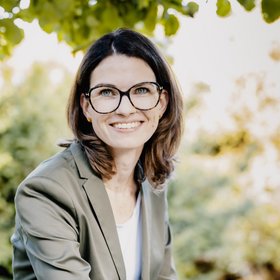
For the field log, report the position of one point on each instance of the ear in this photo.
(163, 102)
(84, 103)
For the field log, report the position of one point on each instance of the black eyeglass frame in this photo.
(123, 93)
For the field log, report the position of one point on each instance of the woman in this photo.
(97, 210)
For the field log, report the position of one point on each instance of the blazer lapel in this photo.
(100, 203)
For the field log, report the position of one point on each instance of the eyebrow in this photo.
(114, 86)
(104, 85)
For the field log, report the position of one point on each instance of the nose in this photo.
(125, 107)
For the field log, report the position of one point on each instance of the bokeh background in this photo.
(224, 197)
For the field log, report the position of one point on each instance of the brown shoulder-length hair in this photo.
(157, 158)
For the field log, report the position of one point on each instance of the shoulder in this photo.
(50, 194)
(155, 200)
(152, 193)
(56, 178)
(69, 164)
(55, 166)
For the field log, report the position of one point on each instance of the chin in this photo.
(127, 145)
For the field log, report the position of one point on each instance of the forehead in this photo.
(122, 71)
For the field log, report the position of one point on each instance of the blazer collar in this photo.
(83, 166)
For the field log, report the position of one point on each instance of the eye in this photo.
(142, 90)
(107, 92)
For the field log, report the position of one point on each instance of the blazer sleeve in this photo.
(47, 227)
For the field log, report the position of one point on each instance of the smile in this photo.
(126, 125)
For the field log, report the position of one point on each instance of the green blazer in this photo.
(65, 228)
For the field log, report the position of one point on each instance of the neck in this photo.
(123, 180)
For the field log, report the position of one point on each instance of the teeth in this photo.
(126, 125)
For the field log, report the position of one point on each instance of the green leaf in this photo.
(171, 25)
(151, 18)
(133, 16)
(223, 8)
(191, 9)
(143, 4)
(27, 14)
(10, 33)
(270, 10)
(9, 5)
(49, 17)
(10, 36)
(65, 6)
(247, 4)
(110, 19)
(91, 20)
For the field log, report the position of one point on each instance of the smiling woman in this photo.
(94, 211)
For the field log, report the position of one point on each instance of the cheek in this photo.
(96, 127)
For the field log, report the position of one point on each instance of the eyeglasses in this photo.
(105, 99)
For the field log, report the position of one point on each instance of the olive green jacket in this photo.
(65, 228)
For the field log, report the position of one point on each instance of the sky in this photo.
(218, 50)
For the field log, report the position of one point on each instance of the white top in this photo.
(130, 237)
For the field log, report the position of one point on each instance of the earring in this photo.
(89, 120)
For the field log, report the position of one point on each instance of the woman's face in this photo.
(127, 127)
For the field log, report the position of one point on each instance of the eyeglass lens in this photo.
(106, 99)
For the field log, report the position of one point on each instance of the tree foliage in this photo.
(224, 203)
(78, 23)
(31, 115)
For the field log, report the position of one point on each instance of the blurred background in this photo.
(224, 198)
